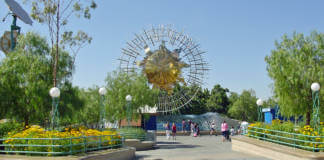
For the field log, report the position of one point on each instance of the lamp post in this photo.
(102, 111)
(259, 102)
(316, 104)
(55, 94)
(129, 110)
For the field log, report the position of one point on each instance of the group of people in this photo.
(193, 128)
(168, 130)
(189, 126)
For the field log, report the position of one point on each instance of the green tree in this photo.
(55, 14)
(218, 100)
(294, 65)
(269, 103)
(26, 79)
(198, 103)
(119, 85)
(245, 108)
(233, 97)
(89, 114)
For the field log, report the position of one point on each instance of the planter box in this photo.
(127, 153)
(139, 145)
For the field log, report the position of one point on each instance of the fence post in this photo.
(100, 141)
(52, 145)
(111, 141)
(70, 145)
(123, 141)
(85, 143)
(313, 139)
(294, 141)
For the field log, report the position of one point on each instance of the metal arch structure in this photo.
(188, 52)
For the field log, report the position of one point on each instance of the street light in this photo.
(55, 94)
(316, 104)
(102, 111)
(259, 102)
(128, 110)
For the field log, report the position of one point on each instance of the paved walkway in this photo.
(194, 148)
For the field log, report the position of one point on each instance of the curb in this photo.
(271, 150)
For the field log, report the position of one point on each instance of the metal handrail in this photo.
(292, 138)
(87, 143)
(141, 137)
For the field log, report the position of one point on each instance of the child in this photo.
(212, 129)
(174, 131)
(232, 131)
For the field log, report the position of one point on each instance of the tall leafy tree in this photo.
(244, 107)
(90, 111)
(26, 78)
(119, 85)
(218, 100)
(55, 14)
(233, 97)
(294, 64)
(198, 103)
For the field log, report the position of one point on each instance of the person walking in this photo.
(167, 130)
(183, 126)
(212, 129)
(192, 127)
(174, 132)
(198, 130)
(224, 128)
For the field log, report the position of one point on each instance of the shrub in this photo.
(10, 126)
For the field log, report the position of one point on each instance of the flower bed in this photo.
(35, 140)
(287, 133)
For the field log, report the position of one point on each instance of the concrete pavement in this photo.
(194, 148)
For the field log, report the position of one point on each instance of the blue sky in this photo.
(237, 35)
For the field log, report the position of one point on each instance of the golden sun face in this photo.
(163, 67)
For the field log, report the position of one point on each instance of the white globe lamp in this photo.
(102, 91)
(259, 102)
(128, 98)
(54, 92)
(315, 87)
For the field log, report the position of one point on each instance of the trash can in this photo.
(151, 135)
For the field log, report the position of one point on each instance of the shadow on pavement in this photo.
(176, 146)
(162, 142)
(142, 157)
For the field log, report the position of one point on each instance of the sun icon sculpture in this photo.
(163, 67)
(168, 59)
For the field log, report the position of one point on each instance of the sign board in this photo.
(266, 109)
(5, 41)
